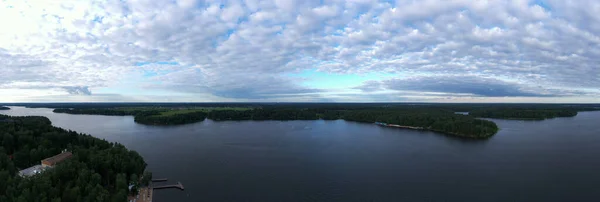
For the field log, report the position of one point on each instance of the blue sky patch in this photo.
(324, 80)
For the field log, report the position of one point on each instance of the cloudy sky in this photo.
(303, 50)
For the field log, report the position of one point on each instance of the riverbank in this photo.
(145, 194)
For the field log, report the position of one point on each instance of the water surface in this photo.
(552, 160)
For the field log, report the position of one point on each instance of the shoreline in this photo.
(432, 130)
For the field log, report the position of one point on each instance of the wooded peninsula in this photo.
(97, 171)
(4, 108)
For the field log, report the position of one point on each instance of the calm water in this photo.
(552, 160)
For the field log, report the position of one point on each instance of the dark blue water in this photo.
(552, 160)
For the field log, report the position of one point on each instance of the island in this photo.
(4, 108)
(39, 162)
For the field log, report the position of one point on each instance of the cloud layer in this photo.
(78, 90)
(247, 50)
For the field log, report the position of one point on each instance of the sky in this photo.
(300, 51)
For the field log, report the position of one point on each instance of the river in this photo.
(552, 160)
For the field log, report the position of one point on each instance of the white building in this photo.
(33, 170)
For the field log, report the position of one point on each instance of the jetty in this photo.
(147, 193)
(178, 186)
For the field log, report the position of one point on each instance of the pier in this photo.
(146, 194)
(178, 185)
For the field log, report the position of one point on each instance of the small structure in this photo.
(52, 161)
(46, 164)
(31, 171)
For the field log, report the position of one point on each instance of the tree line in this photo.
(436, 117)
(433, 120)
(263, 114)
(525, 114)
(108, 111)
(149, 116)
(175, 119)
(430, 119)
(97, 171)
(4, 108)
(439, 120)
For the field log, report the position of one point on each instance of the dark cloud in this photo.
(487, 87)
(258, 92)
(252, 90)
(78, 90)
(370, 86)
(233, 84)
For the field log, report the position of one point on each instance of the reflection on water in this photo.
(552, 160)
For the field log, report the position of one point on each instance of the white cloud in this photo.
(247, 49)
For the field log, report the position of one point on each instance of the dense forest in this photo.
(435, 117)
(438, 121)
(175, 119)
(4, 108)
(98, 170)
(108, 111)
(429, 119)
(263, 114)
(148, 116)
(522, 114)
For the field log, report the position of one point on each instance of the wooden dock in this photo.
(178, 185)
(160, 180)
